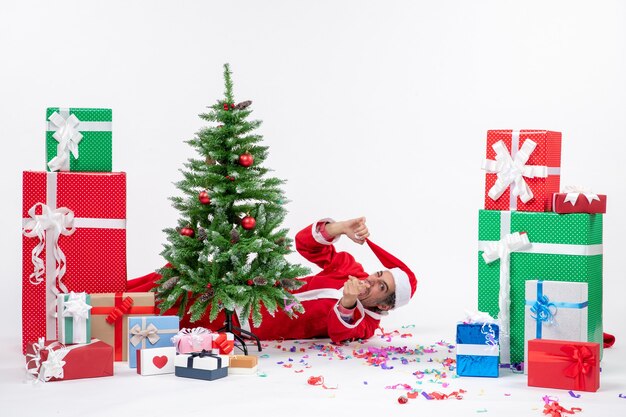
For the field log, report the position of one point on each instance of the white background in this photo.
(369, 108)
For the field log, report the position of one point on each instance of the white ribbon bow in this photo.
(76, 306)
(502, 250)
(151, 333)
(573, 192)
(196, 336)
(68, 136)
(50, 224)
(52, 367)
(513, 170)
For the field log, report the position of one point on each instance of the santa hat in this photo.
(404, 278)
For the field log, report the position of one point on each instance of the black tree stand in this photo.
(238, 332)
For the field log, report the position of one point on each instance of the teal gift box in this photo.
(79, 140)
(562, 247)
(74, 318)
(147, 332)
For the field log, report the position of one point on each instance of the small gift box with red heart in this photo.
(564, 364)
(193, 340)
(156, 361)
(223, 343)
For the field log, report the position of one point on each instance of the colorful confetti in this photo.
(573, 394)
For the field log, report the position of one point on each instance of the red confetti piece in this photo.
(413, 394)
(299, 371)
(555, 410)
(440, 396)
(315, 380)
(402, 399)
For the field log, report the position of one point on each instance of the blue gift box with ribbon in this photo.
(555, 310)
(477, 349)
(201, 365)
(147, 332)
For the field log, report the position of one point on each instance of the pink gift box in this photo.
(193, 340)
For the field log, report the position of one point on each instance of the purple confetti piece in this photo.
(573, 394)
(290, 360)
(279, 363)
(364, 382)
(404, 361)
(622, 396)
(293, 349)
(384, 366)
(425, 394)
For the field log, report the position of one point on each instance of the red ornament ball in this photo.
(402, 399)
(250, 282)
(230, 178)
(204, 197)
(208, 285)
(187, 231)
(246, 159)
(248, 222)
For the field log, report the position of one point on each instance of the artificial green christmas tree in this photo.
(228, 252)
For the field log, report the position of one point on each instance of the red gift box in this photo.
(564, 364)
(52, 361)
(525, 163)
(578, 201)
(74, 240)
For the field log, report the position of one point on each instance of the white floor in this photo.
(281, 389)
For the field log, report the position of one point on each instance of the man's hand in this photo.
(355, 229)
(351, 290)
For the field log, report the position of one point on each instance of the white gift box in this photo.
(156, 361)
(555, 310)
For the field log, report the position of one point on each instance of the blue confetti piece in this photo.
(573, 394)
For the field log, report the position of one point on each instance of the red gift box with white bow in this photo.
(48, 361)
(564, 364)
(578, 200)
(74, 227)
(523, 169)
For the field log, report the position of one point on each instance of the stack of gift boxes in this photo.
(76, 318)
(539, 265)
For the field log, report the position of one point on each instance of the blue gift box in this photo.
(201, 365)
(477, 349)
(147, 332)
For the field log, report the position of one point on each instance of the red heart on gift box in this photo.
(159, 361)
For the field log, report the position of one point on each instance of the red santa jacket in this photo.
(319, 296)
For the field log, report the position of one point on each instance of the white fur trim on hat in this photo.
(403, 287)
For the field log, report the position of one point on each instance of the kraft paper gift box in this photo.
(79, 139)
(193, 340)
(202, 365)
(242, 364)
(74, 318)
(564, 364)
(555, 310)
(52, 361)
(523, 169)
(109, 317)
(150, 332)
(561, 247)
(156, 361)
(74, 239)
(578, 200)
(477, 350)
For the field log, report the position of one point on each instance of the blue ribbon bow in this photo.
(544, 310)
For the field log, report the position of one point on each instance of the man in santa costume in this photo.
(342, 301)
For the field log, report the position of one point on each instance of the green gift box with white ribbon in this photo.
(74, 318)
(515, 247)
(79, 140)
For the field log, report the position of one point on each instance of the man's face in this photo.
(381, 285)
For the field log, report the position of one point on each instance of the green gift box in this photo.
(79, 140)
(562, 247)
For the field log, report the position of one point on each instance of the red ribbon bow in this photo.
(555, 410)
(225, 345)
(118, 312)
(582, 362)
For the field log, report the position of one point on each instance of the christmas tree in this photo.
(229, 250)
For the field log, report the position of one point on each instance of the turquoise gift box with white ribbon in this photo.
(555, 310)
